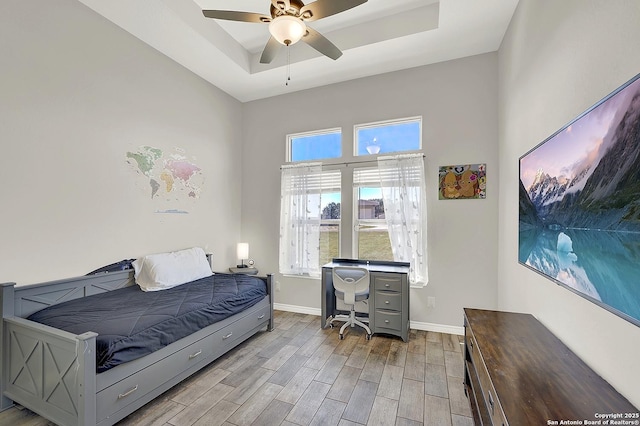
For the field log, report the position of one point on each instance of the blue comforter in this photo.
(132, 323)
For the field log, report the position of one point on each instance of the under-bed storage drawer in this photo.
(126, 391)
(116, 397)
(228, 335)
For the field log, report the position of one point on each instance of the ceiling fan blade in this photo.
(232, 15)
(323, 8)
(270, 51)
(281, 5)
(321, 44)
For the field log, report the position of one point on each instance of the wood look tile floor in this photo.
(300, 374)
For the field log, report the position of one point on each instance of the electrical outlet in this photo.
(277, 285)
(431, 302)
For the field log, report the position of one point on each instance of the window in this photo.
(316, 145)
(370, 231)
(390, 136)
(317, 202)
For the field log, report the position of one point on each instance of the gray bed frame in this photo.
(53, 372)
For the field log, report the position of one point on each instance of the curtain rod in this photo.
(346, 163)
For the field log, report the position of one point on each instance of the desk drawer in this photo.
(388, 319)
(388, 283)
(388, 300)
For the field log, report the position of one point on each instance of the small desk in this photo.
(388, 295)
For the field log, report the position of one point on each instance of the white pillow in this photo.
(165, 270)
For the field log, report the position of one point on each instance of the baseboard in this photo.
(297, 309)
(426, 326)
(439, 328)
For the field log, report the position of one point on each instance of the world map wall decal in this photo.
(171, 179)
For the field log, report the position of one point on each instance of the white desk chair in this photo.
(351, 285)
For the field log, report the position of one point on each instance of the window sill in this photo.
(306, 277)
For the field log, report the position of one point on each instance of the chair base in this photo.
(351, 320)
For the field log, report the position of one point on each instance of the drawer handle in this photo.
(386, 302)
(387, 285)
(227, 336)
(386, 321)
(129, 392)
(261, 316)
(192, 356)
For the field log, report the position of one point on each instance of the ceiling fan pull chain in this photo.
(288, 65)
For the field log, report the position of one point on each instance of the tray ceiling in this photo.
(376, 37)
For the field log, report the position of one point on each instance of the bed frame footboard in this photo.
(50, 371)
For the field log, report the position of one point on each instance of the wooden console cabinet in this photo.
(518, 373)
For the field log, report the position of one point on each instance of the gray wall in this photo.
(557, 60)
(458, 103)
(77, 93)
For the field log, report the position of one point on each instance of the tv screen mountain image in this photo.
(579, 204)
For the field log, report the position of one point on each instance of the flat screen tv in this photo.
(579, 220)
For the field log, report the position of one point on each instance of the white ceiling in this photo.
(376, 37)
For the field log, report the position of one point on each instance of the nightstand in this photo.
(246, 271)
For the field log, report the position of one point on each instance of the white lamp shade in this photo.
(243, 250)
(287, 29)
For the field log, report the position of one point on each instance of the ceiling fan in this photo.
(287, 24)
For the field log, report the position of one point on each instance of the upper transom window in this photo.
(389, 136)
(318, 145)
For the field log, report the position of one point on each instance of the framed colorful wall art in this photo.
(463, 181)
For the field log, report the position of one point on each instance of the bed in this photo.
(61, 375)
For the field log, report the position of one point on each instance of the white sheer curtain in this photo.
(300, 213)
(403, 183)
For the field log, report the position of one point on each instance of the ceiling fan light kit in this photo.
(287, 29)
(287, 24)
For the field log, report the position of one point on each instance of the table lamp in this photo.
(243, 253)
